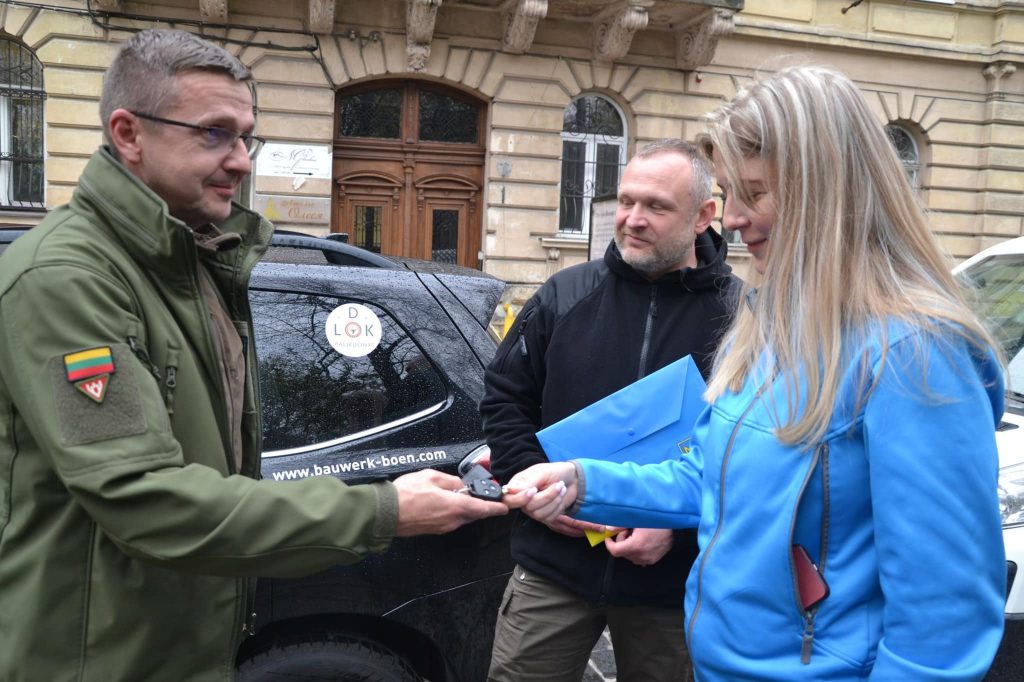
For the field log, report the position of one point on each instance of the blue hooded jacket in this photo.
(896, 505)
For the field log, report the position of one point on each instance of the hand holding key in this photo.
(428, 504)
(543, 491)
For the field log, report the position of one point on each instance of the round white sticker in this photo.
(353, 330)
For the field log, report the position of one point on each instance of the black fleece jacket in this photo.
(588, 331)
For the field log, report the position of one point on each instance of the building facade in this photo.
(492, 133)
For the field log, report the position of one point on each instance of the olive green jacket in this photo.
(127, 540)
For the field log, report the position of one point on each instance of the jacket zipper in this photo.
(246, 615)
(521, 337)
(207, 325)
(808, 615)
(140, 352)
(721, 511)
(171, 381)
(652, 313)
(249, 621)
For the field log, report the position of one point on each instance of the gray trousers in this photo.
(546, 633)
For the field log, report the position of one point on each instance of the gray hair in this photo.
(700, 188)
(141, 77)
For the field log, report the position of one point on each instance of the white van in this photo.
(997, 277)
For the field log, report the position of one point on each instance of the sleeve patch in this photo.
(92, 402)
(89, 363)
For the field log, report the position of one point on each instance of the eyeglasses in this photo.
(214, 139)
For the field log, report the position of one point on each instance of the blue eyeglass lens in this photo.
(219, 138)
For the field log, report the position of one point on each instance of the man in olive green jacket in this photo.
(130, 520)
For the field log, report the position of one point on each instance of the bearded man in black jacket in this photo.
(662, 291)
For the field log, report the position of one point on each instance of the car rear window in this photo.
(312, 394)
(998, 287)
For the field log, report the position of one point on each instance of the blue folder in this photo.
(649, 421)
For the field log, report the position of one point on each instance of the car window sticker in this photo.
(353, 330)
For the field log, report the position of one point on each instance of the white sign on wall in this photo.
(294, 160)
(602, 225)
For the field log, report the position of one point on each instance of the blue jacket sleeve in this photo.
(930, 441)
(629, 495)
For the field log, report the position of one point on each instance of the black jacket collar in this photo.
(711, 271)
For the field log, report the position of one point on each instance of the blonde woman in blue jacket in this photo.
(844, 479)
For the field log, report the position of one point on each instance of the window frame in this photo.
(409, 111)
(591, 143)
(8, 96)
(279, 295)
(911, 168)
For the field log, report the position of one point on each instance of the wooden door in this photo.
(367, 209)
(408, 162)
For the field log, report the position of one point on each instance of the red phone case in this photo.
(812, 586)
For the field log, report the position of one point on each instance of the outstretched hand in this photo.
(543, 491)
(429, 504)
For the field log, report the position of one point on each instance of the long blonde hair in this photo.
(850, 246)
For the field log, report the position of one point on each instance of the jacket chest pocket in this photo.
(163, 368)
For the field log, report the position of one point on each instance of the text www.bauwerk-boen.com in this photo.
(365, 464)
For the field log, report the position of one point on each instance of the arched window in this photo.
(21, 127)
(593, 153)
(906, 149)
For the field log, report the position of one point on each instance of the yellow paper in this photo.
(597, 537)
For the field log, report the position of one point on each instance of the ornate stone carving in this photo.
(321, 16)
(695, 46)
(521, 19)
(419, 31)
(614, 28)
(109, 5)
(213, 10)
(994, 74)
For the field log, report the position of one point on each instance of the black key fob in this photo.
(479, 484)
(485, 489)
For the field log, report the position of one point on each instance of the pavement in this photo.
(601, 667)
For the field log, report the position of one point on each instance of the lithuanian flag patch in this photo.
(86, 364)
(90, 370)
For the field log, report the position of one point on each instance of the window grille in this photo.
(447, 119)
(21, 127)
(387, 112)
(593, 154)
(906, 149)
(375, 113)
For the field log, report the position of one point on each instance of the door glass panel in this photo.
(366, 231)
(445, 239)
(570, 214)
(606, 180)
(26, 150)
(446, 119)
(312, 394)
(377, 113)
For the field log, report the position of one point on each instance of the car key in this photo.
(480, 484)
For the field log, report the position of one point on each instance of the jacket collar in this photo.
(711, 270)
(139, 220)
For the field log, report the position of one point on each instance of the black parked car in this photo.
(401, 394)
(426, 608)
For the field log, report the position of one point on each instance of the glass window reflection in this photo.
(312, 394)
